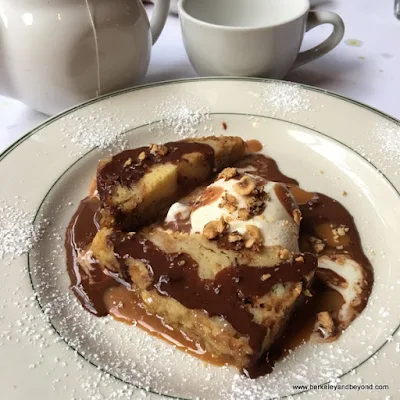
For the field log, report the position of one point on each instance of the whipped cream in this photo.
(352, 288)
(276, 222)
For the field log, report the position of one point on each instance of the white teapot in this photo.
(58, 53)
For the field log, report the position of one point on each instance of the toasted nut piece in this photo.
(158, 149)
(325, 322)
(307, 293)
(229, 202)
(243, 214)
(255, 232)
(299, 259)
(249, 242)
(128, 162)
(153, 148)
(210, 230)
(221, 225)
(342, 230)
(264, 277)
(142, 156)
(227, 173)
(317, 244)
(234, 237)
(162, 150)
(213, 228)
(297, 216)
(245, 186)
(284, 254)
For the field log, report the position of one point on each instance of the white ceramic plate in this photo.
(50, 347)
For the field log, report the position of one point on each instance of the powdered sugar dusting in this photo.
(384, 139)
(283, 99)
(96, 128)
(183, 114)
(17, 233)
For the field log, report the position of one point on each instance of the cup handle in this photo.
(316, 18)
(158, 18)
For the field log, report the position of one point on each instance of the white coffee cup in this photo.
(252, 38)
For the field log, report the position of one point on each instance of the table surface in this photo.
(368, 71)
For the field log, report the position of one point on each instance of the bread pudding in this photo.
(222, 247)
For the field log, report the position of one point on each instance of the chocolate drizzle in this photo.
(228, 295)
(284, 196)
(128, 167)
(265, 167)
(88, 285)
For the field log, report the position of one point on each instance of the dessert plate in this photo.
(328, 143)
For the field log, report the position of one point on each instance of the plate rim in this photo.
(62, 114)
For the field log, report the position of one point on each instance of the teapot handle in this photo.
(160, 14)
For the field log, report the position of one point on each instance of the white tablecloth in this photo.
(369, 73)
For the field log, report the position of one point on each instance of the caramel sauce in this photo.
(254, 146)
(125, 306)
(175, 275)
(302, 196)
(210, 195)
(325, 231)
(102, 292)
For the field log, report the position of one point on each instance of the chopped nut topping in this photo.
(299, 259)
(257, 203)
(128, 162)
(297, 216)
(264, 277)
(182, 262)
(229, 202)
(221, 225)
(234, 237)
(214, 228)
(284, 254)
(325, 322)
(249, 242)
(142, 156)
(255, 232)
(210, 230)
(227, 173)
(341, 230)
(253, 237)
(158, 150)
(317, 244)
(243, 214)
(245, 186)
